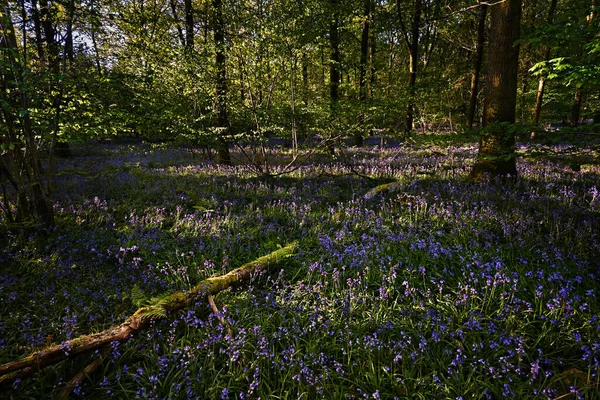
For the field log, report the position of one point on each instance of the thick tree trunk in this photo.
(140, 320)
(479, 50)
(497, 145)
(223, 156)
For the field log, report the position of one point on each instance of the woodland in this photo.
(299, 199)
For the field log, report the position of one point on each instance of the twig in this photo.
(80, 376)
(211, 301)
(564, 396)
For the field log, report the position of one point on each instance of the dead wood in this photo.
(140, 320)
(80, 376)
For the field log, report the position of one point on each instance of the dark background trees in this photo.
(228, 72)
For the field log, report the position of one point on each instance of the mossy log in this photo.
(140, 320)
(384, 188)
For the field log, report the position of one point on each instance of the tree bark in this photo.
(305, 78)
(364, 60)
(372, 52)
(334, 62)
(334, 68)
(576, 107)
(35, 17)
(140, 320)
(496, 154)
(479, 50)
(223, 156)
(49, 37)
(24, 160)
(412, 42)
(189, 25)
(173, 4)
(539, 99)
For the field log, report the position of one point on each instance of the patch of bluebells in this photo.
(409, 291)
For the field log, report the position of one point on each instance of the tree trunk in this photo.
(539, 99)
(35, 17)
(223, 156)
(477, 64)
(176, 18)
(364, 60)
(24, 161)
(189, 25)
(412, 42)
(497, 145)
(372, 52)
(390, 74)
(334, 62)
(334, 68)
(576, 107)
(305, 78)
(49, 36)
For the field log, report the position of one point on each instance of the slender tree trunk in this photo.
(334, 68)
(413, 49)
(372, 52)
(305, 78)
(390, 68)
(539, 98)
(477, 64)
(364, 60)
(49, 37)
(576, 107)
(173, 4)
(497, 145)
(324, 67)
(223, 156)
(69, 54)
(189, 25)
(293, 102)
(25, 159)
(35, 17)
(579, 90)
(334, 63)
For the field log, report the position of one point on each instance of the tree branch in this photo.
(140, 320)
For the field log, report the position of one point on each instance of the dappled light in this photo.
(409, 280)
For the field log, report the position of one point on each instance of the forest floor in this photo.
(434, 287)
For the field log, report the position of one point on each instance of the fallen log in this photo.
(140, 320)
(384, 188)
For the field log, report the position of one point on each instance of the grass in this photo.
(440, 288)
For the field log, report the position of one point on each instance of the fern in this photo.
(153, 312)
(138, 297)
